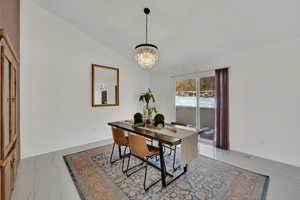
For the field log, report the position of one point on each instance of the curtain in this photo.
(222, 109)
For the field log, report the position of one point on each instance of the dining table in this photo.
(162, 139)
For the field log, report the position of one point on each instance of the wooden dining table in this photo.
(162, 140)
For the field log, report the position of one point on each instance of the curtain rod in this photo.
(203, 71)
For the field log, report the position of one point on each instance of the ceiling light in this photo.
(146, 54)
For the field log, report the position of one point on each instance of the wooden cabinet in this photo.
(8, 87)
(9, 117)
(6, 179)
(13, 167)
(8, 175)
(0, 183)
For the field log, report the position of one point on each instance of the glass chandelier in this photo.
(146, 54)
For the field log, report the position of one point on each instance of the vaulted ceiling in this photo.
(186, 31)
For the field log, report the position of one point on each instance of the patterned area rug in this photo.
(206, 179)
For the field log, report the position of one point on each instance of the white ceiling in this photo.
(186, 31)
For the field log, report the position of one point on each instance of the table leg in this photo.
(182, 173)
(185, 168)
(162, 165)
(120, 152)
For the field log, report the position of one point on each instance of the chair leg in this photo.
(145, 177)
(165, 166)
(170, 151)
(120, 152)
(128, 162)
(124, 155)
(133, 167)
(112, 152)
(174, 159)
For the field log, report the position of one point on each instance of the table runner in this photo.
(189, 140)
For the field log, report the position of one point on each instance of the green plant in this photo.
(138, 118)
(159, 119)
(151, 110)
(147, 97)
(138, 125)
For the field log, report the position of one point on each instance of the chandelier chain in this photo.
(146, 28)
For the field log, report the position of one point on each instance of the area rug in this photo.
(207, 179)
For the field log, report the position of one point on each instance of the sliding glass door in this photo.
(206, 107)
(186, 102)
(195, 103)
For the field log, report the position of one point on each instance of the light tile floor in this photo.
(45, 177)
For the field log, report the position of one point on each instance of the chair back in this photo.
(138, 145)
(178, 123)
(119, 136)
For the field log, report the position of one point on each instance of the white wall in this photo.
(56, 107)
(56, 63)
(264, 98)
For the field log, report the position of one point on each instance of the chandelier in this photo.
(146, 54)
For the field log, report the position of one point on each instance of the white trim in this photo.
(199, 74)
(195, 75)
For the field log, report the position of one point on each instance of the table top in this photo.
(150, 134)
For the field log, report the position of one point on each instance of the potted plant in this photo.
(159, 120)
(146, 98)
(138, 118)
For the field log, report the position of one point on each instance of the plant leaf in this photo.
(141, 98)
(153, 99)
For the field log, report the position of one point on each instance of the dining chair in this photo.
(122, 141)
(139, 148)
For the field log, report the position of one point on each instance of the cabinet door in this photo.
(6, 104)
(18, 153)
(0, 183)
(6, 181)
(13, 108)
(13, 169)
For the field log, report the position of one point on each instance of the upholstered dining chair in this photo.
(139, 148)
(121, 140)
